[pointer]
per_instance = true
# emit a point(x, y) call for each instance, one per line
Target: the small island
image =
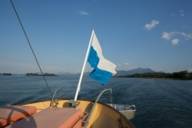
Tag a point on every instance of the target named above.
point(38, 74)
point(181, 75)
point(6, 74)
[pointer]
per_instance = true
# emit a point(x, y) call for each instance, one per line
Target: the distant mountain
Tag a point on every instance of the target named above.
point(135, 71)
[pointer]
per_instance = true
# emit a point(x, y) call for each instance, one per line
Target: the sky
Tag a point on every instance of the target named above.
point(154, 34)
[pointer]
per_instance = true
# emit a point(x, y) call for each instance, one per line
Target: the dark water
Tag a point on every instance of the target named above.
point(160, 103)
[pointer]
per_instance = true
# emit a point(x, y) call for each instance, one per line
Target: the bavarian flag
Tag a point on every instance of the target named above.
point(103, 69)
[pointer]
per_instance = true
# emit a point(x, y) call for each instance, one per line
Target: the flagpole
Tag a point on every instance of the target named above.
point(83, 68)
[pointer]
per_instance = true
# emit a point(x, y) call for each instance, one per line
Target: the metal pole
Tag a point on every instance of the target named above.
point(83, 68)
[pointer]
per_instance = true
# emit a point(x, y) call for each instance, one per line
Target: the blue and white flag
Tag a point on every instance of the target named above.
point(103, 69)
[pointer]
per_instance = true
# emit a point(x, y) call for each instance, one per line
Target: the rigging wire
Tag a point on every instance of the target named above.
point(30, 46)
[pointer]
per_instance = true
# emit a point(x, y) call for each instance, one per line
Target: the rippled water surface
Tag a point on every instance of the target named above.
point(160, 103)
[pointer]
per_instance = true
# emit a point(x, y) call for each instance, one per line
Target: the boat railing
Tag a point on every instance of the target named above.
point(95, 103)
point(54, 102)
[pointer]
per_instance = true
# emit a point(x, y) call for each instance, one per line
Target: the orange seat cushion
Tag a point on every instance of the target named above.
point(79, 124)
point(50, 118)
point(72, 120)
point(3, 122)
point(14, 113)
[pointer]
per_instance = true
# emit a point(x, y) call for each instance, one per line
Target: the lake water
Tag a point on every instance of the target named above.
point(160, 103)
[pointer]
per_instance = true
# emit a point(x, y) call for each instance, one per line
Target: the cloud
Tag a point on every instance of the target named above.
point(151, 25)
point(171, 35)
point(166, 35)
point(185, 35)
point(175, 37)
point(175, 41)
point(83, 13)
